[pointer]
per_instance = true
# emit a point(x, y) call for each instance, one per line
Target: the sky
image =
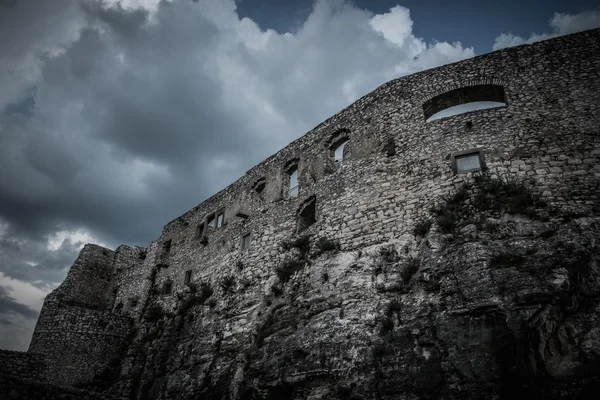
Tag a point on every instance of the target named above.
point(117, 117)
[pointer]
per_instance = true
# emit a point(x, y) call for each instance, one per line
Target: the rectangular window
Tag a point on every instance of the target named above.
point(293, 191)
point(246, 242)
point(468, 161)
point(167, 246)
point(210, 221)
point(188, 277)
point(167, 288)
point(220, 217)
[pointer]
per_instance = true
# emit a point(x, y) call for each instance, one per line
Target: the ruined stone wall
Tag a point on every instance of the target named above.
point(548, 131)
point(88, 280)
point(78, 342)
point(24, 364)
point(130, 284)
point(76, 330)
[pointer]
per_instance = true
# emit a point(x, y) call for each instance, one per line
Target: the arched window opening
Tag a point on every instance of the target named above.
point(308, 215)
point(463, 100)
point(260, 185)
point(293, 181)
point(339, 152)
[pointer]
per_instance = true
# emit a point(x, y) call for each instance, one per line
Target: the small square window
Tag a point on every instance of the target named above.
point(220, 217)
point(167, 288)
point(246, 242)
point(210, 221)
point(188, 277)
point(468, 161)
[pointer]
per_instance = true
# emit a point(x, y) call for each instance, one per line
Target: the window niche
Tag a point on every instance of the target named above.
point(338, 146)
point(292, 185)
point(340, 151)
point(463, 100)
point(307, 215)
point(211, 221)
point(187, 278)
point(246, 241)
point(200, 231)
point(133, 302)
point(220, 219)
point(167, 288)
point(468, 161)
point(259, 186)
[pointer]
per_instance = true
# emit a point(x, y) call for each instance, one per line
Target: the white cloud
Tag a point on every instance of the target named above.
point(76, 238)
point(560, 24)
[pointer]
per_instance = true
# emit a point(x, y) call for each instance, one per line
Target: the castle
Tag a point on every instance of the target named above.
point(364, 177)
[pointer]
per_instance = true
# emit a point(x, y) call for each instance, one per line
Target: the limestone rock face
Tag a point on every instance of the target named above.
point(506, 309)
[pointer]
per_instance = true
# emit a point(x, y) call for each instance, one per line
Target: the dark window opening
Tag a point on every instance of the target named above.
point(188, 277)
point(260, 185)
point(468, 161)
point(246, 241)
point(210, 221)
point(167, 288)
point(200, 230)
point(462, 100)
point(308, 215)
point(167, 246)
point(220, 217)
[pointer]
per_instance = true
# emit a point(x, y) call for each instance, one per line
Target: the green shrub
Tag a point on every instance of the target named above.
point(388, 254)
point(276, 290)
point(324, 245)
point(447, 221)
point(422, 227)
point(301, 243)
point(288, 268)
point(393, 308)
point(154, 313)
point(227, 284)
point(196, 298)
point(411, 266)
point(387, 325)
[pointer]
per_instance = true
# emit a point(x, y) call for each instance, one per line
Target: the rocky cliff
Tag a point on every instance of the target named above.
point(496, 295)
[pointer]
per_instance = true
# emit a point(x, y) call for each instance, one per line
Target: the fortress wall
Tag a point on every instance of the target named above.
point(24, 364)
point(88, 280)
point(74, 331)
point(130, 284)
point(78, 342)
point(548, 132)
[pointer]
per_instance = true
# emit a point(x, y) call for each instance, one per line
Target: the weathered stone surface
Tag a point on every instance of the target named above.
point(497, 298)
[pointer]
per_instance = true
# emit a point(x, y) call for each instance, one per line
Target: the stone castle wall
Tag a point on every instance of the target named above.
point(398, 166)
point(548, 132)
point(76, 330)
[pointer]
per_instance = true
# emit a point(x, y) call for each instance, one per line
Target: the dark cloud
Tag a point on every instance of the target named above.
point(115, 120)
